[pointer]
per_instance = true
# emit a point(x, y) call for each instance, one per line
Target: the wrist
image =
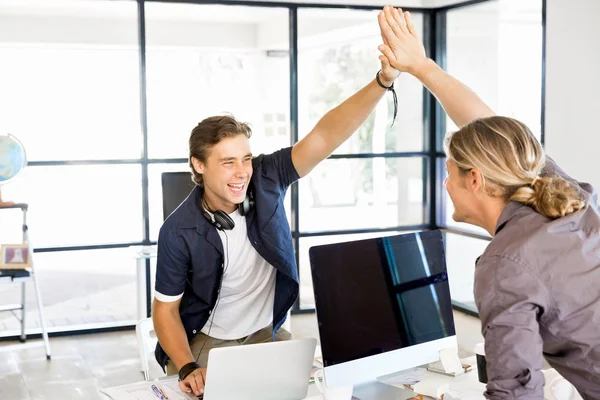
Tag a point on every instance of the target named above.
point(422, 69)
point(383, 80)
point(188, 369)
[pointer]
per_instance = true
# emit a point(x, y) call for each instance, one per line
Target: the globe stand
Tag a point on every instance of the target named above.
point(5, 203)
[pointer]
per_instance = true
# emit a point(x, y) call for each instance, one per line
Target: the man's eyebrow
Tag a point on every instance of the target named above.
point(233, 158)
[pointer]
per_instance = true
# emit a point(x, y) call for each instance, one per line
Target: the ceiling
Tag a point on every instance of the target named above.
point(222, 13)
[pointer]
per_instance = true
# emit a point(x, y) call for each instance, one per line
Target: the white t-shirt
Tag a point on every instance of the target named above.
point(245, 303)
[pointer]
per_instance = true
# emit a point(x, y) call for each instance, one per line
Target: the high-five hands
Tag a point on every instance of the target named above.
point(402, 48)
point(388, 74)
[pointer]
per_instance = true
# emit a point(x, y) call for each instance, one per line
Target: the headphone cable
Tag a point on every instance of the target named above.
point(218, 295)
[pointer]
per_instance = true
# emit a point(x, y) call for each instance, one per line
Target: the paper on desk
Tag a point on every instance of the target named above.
point(143, 390)
point(410, 377)
point(451, 362)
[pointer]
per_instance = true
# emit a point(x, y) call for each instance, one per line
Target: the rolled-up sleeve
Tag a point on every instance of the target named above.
point(510, 300)
point(280, 164)
point(172, 265)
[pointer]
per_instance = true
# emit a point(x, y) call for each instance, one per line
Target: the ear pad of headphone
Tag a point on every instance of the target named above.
point(223, 221)
point(247, 204)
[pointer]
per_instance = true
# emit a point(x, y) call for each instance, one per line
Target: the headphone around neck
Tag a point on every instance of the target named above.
point(220, 219)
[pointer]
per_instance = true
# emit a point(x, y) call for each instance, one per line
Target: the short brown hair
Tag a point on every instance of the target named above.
point(210, 132)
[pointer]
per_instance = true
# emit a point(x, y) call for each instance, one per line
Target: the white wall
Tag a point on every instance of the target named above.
point(573, 87)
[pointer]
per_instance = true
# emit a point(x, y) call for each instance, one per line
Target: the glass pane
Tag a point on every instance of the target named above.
point(155, 195)
point(69, 78)
point(204, 60)
point(338, 56)
point(101, 291)
point(506, 35)
point(81, 204)
point(363, 193)
point(307, 295)
point(461, 253)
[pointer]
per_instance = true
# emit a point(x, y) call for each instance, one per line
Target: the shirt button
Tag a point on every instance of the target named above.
point(194, 331)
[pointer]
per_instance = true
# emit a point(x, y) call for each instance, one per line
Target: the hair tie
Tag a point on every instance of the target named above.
point(534, 181)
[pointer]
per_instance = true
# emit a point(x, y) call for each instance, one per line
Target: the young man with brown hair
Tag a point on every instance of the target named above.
point(226, 270)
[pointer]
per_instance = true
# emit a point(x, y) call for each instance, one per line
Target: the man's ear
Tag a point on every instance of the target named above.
point(474, 180)
point(198, 165)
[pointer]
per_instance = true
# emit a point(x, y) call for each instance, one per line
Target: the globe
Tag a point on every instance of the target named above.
point(12, 159)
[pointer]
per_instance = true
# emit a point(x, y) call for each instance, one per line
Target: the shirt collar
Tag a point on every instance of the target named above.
point(507, 214)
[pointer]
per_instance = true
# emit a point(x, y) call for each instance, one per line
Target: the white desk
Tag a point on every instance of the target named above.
point(369, 391)
point(372, 391)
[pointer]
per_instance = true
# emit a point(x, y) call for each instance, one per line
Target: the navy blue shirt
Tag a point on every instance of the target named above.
point(190, 251)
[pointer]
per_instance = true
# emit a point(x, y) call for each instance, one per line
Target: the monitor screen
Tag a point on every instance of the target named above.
point(176, 186)
point(378, 295)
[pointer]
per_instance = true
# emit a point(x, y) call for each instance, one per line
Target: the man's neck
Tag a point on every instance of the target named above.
point(492, 215)
point(209, 203)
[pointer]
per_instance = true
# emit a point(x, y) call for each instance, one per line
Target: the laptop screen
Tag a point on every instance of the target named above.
point(377, 295)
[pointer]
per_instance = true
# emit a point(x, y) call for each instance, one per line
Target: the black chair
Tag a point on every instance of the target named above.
point(176, 186)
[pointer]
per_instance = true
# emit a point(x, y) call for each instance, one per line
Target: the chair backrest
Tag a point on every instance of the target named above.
point(146, 339)
point(176, 186)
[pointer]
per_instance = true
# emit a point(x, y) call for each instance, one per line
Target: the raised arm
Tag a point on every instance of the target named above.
point(340, 123)
point(405, 52)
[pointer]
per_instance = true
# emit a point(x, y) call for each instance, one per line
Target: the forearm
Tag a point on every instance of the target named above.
point(460, 103)
point(341, 122)
point(335, 127)
point(171, 335)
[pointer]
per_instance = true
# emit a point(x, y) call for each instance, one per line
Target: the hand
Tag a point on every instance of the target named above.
point(402, 46)
point(388, 74)
point(194, 382)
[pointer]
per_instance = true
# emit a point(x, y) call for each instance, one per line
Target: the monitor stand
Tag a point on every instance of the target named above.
point(376, 390)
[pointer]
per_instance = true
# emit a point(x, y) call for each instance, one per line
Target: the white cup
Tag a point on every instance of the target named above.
point(558, 388)
point(336, 393)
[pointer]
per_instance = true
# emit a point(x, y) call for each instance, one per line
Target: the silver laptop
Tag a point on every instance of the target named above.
point(266, 371)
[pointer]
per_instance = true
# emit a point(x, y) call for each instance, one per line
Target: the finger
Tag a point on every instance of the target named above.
point(409, 24)
point(384, 27)
point(387, 52)
point(389, 16)
point(191, 380)
point(398, 16)
point(383, 36)
point(200, 376)
point(184, 386)
point(384, 62)
point(203, 372)
point(199, 383)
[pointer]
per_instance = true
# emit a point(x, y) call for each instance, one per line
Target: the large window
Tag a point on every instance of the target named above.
point(102, 117)
point(70, 92)
point(205, 60)
point(506, 37)
point(356, 190)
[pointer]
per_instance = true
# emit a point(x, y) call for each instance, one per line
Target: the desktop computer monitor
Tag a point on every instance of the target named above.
point(383, 305)
point(176, 186)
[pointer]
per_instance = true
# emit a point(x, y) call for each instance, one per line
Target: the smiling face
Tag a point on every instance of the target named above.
point(226, 173)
